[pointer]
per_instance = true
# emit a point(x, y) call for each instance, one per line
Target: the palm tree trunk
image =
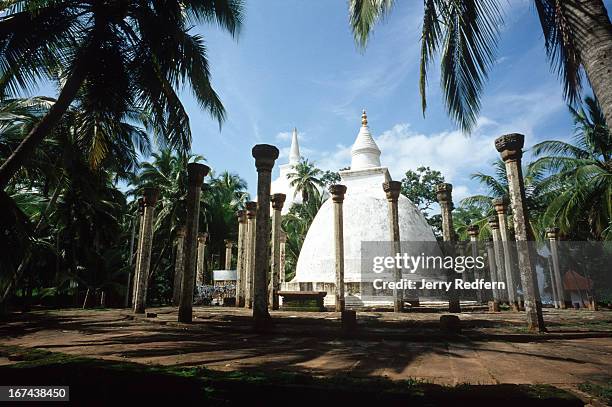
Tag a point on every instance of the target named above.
point(44, 127)
point(593, 35)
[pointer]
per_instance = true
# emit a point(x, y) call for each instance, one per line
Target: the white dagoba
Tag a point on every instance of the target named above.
point(282, 185)
point(365, 220)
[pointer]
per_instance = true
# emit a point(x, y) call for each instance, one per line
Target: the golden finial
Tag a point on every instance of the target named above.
point(364, 118)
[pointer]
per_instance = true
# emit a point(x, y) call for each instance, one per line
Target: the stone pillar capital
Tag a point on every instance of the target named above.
point(202, 237)
point(552, 233)
point(500, 204)
point(510, 146)
point(265, 155)
point(493, 222)
point(473, 230)
point(228, 244)
point(392, 189)
point(444, 193)
point(150, 196)
point(196, 173)
point(489, 242)
point(337, 192)
point(277, 201)
point(251, 209)
point(241, 215)
point(180, 232)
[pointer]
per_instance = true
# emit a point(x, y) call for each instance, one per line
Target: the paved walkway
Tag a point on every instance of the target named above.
point(494, 349)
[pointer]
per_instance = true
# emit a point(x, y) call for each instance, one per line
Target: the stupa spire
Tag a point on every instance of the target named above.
point(294, 154)
point(365, 153)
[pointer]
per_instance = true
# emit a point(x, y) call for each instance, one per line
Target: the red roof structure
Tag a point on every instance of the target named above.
point(573, 281)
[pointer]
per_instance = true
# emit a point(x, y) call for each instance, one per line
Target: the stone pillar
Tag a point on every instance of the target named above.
point(195, 176)
point(493, 271)
point(138, 249)
point(281, 263)
point(392, 189)
point(277, 206)
point(250, 253)
point(241, 215)
point(144, 259)
point(501, 205)
point(337, 192)
point(178, 265)
point(499, 260)
point(553, 235)
point(510, 146)
point(473, 232)
point(202, 239)
point(264, 155)
point(445, 199)
point(228, 254)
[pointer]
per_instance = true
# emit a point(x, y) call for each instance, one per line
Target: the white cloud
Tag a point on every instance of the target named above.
point(283, 136)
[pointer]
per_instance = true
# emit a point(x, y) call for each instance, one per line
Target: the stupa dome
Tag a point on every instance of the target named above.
point(365, 220)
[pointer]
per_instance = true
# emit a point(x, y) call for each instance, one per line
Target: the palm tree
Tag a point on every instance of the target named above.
point(305, 178)
point(538, 195)
point(58, 169)
point(225, 194)
point(167, 171)
point(118, 57)
point(577, 37)
point(581, 174)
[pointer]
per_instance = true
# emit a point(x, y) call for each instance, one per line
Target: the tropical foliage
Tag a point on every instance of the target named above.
point(464, 35)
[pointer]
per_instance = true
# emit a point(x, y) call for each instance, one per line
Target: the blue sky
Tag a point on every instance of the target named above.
point(295, 64)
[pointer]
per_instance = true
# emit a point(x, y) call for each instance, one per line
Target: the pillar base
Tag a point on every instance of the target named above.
point(515, 306)
point(262, 323)
point(454, 306)
point(349, 320)
point(185, 315)
point(493, 306)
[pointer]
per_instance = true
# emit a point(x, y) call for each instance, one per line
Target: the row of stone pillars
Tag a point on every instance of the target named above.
point(190, 247)
point(510, 148)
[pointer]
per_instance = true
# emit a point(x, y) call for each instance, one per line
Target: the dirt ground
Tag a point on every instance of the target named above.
point(493, 348)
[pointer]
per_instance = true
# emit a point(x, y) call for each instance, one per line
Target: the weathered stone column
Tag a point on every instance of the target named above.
point(337, 192)
point(202, 239)
point(501, 205)
point(473, 232)
point(178, 265)
point(195, 176)
point(392, 189)
point(499, 259)
point(264, 155)
point(277, 206)
point(250, 253)
point(228, 254)
point(144, 259)
point(445, 199)
point(553, 236)
point(138, 249)
point(493, 271)
point(282, 258)
point(241, 215)
point(510, 146)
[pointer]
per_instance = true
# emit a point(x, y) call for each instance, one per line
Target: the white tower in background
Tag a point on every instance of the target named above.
point(282, 185)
